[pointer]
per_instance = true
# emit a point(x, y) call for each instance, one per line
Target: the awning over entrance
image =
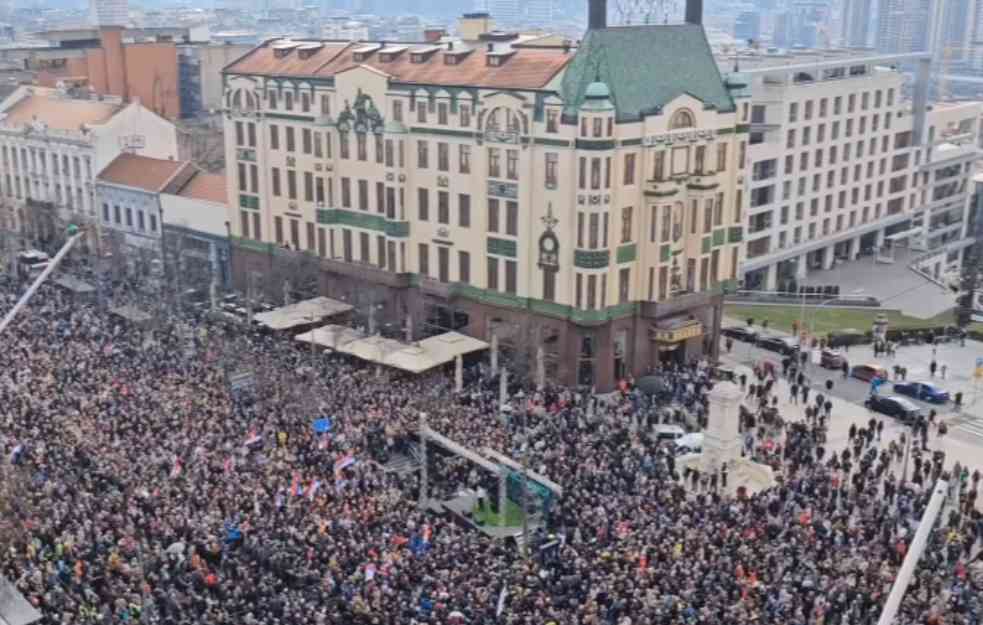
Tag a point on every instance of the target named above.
point(904, 234)
point(306, 312)
point(411, 357)
point(675, 329)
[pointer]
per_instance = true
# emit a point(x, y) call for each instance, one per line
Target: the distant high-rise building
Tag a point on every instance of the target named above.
point(903, 25)
point(109, 12)
point(747, 27)
point(856, 23)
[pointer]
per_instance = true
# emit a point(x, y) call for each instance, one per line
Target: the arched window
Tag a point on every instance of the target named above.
point(502, 119)
point(237, 99)
point(682, 119)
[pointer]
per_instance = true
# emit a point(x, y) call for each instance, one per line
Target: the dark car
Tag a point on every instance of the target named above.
point(922, 390)
point(782, 344)
point(868, 372)
point(831, 359)
point(897, 407)
point(741, 334)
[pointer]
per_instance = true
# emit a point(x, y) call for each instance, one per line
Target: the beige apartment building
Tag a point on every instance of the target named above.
point(582, 203)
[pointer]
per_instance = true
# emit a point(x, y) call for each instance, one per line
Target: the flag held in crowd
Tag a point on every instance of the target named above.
point(322, 426)
point(313, 488)
point(254, 439)
point(343, 463)
point(176, 469)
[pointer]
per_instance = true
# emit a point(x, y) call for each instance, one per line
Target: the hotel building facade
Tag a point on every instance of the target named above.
point(581, 204)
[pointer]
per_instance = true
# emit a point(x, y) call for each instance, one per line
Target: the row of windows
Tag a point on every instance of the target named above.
point(35, 160)
point(821, 106)
point(125, 216)
point(679, 161)
point(804, 135)
point(674, 222)
point(70, 196)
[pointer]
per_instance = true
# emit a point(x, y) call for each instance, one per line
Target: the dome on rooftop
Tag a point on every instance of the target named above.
point(597, 90)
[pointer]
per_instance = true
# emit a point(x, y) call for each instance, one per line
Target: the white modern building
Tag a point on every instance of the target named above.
point(839, 164)
point(53, 144)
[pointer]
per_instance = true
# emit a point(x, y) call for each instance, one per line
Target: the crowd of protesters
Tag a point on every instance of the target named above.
point(158, 495)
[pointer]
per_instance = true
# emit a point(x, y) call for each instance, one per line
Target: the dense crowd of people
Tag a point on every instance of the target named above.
point(155, 494)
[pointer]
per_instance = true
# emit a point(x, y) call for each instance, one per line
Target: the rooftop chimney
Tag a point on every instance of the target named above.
point(597, 14)
point(694, 11)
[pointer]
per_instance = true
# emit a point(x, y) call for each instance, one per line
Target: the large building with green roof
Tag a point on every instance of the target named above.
point(578, 201)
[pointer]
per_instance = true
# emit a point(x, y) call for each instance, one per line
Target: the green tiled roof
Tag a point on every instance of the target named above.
point(645, 67)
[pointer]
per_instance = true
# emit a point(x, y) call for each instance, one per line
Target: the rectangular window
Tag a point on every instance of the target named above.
point(364, 248)
point(591, 292)
point(443, 207)
point(380, 198)
point(443, 156)
point(243, 181)
point(278, 229)
point(240, 134)
point(361, 148)
point(442, 114)
point(291, 140)
point(492, 273)
point(310, 236)
point(421, 113)
point(343, 147)
point(464, 159)
point(422, 156)
point(306, 140)
point(363, 195)
point(464, 267)
point(443, 263)
point(494, 163)
point(511, 274)
point(512, 218)
point(251, 127)
point(626, 216)
point(464, 210)
point(319, 190)
point(275, 181)
point(346, 244)
point(551, 167)
point(493, 210)
point(308, 186)
point(380, 250)
point(424, 253)
point(274, 137)
point(423, 204)
point(594, 231)
point(624, 285)
point(512, 164)
point(257, 233)
point(629, 174)
point(253, 179)
point(397, 110)
point(243, 224)
point(291, 184)
point(346, 193)
point(321, 251)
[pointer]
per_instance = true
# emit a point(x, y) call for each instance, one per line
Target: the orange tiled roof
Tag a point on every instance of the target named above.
point(527, 68)
point(141, 172)
point(209, 187)
point(60, 113)
point(262, 60)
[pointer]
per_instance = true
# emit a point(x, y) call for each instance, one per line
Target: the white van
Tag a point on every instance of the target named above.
point(667, 432)
point(30, 263)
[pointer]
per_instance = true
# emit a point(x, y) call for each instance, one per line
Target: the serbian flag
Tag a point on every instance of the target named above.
point(643, 562)
point(312, 489)
point(296, 489)
point(427, 533)
point(176, 469)
point(343, 463)
point(253, 439)
point(806, 517)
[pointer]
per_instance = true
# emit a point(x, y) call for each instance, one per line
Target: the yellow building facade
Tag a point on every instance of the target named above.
point(581, 203)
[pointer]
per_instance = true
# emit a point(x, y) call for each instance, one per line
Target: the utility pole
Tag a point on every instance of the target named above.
point(521, 396)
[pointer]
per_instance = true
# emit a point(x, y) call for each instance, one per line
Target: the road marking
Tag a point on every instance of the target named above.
point(974, 427)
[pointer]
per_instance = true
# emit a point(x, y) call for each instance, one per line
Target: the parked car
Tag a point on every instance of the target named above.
point(922, 390)
point(740, 333)
point(831, 359)
point(689, 443)
point(868, 372)
point(668, 432)
point(893, 406)
point(784, 345)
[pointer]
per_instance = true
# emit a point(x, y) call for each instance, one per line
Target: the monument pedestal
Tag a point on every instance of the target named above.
point(722, 444)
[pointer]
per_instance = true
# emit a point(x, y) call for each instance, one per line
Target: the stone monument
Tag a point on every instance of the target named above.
point(722, 443)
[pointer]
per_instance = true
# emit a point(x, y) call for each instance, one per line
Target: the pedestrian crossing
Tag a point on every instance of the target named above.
point(973, 426)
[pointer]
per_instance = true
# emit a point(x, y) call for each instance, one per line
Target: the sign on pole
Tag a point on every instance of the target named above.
point(978, 373)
